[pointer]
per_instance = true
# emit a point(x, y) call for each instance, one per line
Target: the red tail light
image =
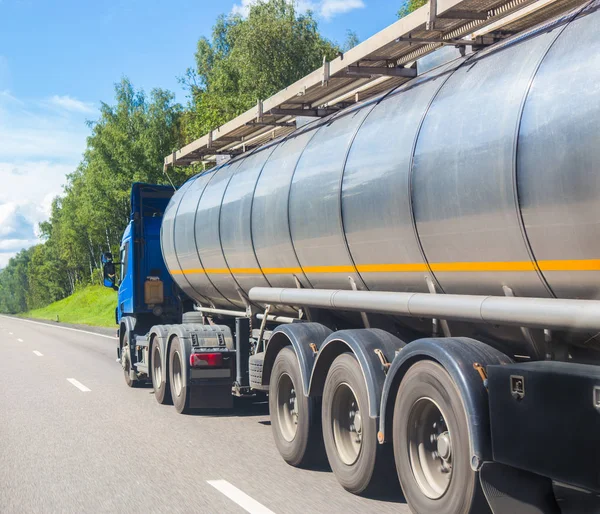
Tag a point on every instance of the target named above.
point(206, 360)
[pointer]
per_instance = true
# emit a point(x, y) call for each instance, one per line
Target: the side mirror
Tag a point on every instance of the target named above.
point(109, 271)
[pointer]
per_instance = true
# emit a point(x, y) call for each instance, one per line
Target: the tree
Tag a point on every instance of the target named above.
point(128, 144)
point(250, 59)
point(14, 283)
point(247, 59)
point(351, 40)
point(409, 6)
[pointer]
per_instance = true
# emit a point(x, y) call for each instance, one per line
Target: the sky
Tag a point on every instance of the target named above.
point(60, 58)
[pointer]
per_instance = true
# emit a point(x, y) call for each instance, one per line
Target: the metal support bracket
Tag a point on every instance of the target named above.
point(246, 301)
point(230, 139)
point(384, 362)
point(306, 309)
point(325, 79)
point(319, 112)
point(464, 15)
point(370, 71)
point(263, 324)
point(441, 322)
point(482, 372)
point(271, 124)
point(478, 42)
point(431, 15)
point(363, 315)
point(538, 352)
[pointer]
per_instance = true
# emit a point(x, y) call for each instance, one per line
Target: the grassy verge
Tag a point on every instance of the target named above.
point(93, 305)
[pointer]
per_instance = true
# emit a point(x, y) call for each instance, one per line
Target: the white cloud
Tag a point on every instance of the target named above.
point(18, 222)
point(243, 7)
point(71, 104)
point(326, 9)
point(329, 8)
point(31, 130)
point(41, 141)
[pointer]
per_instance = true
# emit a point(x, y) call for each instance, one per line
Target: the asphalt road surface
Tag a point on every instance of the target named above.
point(74, 438)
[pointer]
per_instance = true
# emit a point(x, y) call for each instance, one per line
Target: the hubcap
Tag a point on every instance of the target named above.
point(177, 374)
point(156, 368)
point(347, 424)
point(430, 448)
point(287, 407)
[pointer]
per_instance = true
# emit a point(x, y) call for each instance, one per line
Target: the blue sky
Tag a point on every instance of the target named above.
point(60, 58)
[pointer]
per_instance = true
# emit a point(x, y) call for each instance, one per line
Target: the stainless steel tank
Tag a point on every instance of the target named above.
point(480, 175)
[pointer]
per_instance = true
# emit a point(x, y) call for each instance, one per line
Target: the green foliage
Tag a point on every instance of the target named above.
point(246, 59)
point(93, 305)
point(127, 144)
point(13, 283)
point(250, 59)
point(351, 40)
point(409, 6)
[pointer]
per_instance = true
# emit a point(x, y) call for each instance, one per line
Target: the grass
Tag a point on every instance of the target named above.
point(93, 305)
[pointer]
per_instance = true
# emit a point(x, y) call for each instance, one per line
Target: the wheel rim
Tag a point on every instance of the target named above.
point(177, 374)
point(430, 448)
point(156, 368)
point(347, 424)
point(287, 407)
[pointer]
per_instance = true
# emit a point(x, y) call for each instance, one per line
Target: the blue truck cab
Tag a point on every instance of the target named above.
point(147, 295)
point(146, 288)
point(161, 338)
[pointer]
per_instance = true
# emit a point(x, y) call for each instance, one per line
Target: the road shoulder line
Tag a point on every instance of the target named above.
point(58, 326)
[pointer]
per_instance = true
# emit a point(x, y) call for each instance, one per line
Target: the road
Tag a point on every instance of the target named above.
point(75, 438)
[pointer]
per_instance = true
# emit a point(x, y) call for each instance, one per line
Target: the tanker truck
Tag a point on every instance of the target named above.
point(413, 281)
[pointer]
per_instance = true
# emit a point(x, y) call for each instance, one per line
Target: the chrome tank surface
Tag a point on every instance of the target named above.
point(480, 175)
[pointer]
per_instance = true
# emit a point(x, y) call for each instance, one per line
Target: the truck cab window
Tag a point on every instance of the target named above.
point(124, 260)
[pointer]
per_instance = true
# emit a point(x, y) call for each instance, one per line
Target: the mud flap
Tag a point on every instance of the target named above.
point(509, 489)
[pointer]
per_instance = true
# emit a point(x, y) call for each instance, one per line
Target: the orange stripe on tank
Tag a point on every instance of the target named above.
point(439, 267)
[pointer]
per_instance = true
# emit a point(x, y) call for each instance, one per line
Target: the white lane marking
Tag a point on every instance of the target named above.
point(240, 497)
point(20, 340)
point(39, 354)
point(79, 385)
point(10, 333)
point(64, 328)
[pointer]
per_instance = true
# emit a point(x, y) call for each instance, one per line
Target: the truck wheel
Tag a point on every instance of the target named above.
point(431, 443)
point(292, 413)
point(126, 362)
point(350, 435)
point(179, 389)
point(160, 382)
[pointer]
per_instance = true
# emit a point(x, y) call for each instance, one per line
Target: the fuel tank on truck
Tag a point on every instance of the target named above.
point(481, 176)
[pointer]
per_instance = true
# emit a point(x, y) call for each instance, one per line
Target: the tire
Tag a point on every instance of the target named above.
point(126, 362)
point(295, 429)
point(429, 404)
point(179, 389)
point(159, 375)
point(351, 441)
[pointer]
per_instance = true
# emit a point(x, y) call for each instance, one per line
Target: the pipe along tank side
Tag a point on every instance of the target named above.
point(479, 175)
